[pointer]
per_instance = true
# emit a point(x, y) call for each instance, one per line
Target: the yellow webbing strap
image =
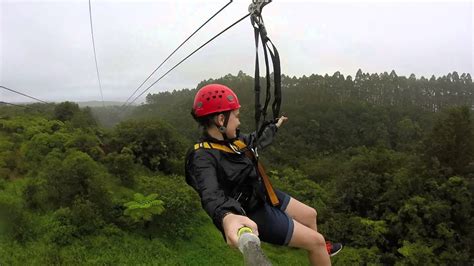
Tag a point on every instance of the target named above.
point(207, 145)
point(240, 144)
point(216, 146)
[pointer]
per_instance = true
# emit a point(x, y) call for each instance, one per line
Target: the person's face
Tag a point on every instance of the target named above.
point(234, 123)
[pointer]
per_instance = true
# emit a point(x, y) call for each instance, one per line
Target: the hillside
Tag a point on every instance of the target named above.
point(387, 162)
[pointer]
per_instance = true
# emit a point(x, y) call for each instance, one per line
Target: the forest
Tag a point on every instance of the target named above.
point(387, 161)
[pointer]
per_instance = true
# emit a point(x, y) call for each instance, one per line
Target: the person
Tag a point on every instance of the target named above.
point(230, 187)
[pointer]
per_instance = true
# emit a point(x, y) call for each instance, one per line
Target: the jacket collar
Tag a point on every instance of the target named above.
point(209, 138)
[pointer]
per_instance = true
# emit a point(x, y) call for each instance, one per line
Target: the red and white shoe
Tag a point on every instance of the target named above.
point(333, 248)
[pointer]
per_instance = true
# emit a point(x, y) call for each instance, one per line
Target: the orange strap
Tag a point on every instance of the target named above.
point(266, 180)
point(261, 170)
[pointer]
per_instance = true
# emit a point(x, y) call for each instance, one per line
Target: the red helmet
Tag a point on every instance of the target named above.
point(214, 98)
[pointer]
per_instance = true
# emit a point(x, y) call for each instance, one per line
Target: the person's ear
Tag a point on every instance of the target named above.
point(221, 119)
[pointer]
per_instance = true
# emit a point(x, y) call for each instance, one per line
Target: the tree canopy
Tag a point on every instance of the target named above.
point(386, 160)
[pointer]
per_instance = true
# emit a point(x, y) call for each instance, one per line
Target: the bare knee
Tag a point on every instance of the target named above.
point(313, 214)
point(310, 217)
point(315, 241)
point(318, 241)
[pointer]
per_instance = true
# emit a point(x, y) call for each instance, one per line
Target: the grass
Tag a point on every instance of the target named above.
point(206, 247)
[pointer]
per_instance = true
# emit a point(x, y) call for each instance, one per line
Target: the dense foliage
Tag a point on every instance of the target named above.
point(387, 161)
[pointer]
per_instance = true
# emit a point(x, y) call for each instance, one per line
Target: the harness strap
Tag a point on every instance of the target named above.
point(258, 106)
point(261, 33)
point(242, 147)
point(266, 180)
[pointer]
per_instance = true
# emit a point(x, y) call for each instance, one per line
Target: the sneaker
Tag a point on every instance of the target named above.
point(333, 248)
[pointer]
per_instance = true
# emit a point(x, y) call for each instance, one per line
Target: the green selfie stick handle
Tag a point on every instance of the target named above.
point(244, 230)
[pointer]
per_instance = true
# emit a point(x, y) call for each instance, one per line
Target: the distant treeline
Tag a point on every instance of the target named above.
point(384, 89)
point(379, 89)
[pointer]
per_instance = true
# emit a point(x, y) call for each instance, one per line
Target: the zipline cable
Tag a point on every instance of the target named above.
point(26, 95)
point(95, 55)
point(175, 52)
point(233, 24)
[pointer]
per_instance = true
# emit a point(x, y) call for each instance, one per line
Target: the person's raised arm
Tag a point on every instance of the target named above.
point(268, 134)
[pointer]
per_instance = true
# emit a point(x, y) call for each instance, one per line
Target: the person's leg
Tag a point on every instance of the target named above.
point(302, 213)
point(277, 227)
point(308, 216)
point(307, 238)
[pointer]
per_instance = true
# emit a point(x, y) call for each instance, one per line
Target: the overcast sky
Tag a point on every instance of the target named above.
point(46, 46)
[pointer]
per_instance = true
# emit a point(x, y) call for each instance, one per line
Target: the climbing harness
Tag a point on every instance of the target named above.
point(239, 147)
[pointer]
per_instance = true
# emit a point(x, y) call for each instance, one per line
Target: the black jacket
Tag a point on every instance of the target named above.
point(227, 182)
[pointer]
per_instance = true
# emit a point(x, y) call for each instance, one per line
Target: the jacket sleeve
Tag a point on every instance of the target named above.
point(265, 139)
point(201, 174)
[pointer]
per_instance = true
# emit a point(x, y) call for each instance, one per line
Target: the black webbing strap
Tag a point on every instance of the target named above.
point(226, 121)
point(261, 33)
point(258, 107)
point(268, 96)
point(277, 80)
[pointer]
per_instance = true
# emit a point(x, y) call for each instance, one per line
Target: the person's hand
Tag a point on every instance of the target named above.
point(281, 120)
point(232, 223)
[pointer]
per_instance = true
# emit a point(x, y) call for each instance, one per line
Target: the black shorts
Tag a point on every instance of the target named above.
point(275, 226)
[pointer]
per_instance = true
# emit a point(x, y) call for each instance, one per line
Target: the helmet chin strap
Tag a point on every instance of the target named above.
point(223, 128)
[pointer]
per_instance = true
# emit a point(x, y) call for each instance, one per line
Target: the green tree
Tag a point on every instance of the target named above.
point(65, 111)
point(142, 208)
point(181, 203)
point(417, 253)
point(122, 166)
point(155, 144)
point(15, 223)
point(69, 177)
point(451, 142)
